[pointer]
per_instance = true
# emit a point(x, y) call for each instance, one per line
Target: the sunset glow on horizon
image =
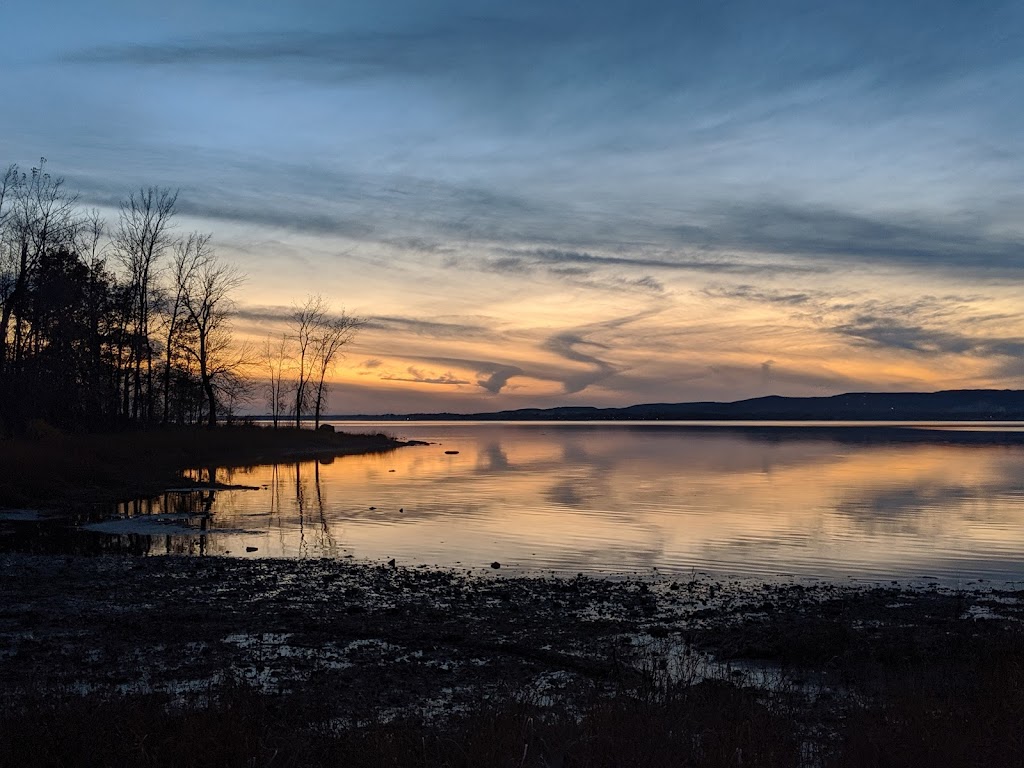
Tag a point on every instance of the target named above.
point(543, 204)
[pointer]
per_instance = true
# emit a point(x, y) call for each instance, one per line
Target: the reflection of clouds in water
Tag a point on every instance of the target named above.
point(494, 458)
point(740, 548)
point(571, 492)
point(920, 504)
point(575, 452)
point(627, 558)
point(609, 498)
point(903, 510)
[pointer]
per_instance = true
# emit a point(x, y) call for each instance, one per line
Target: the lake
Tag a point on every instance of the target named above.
point(837, 502)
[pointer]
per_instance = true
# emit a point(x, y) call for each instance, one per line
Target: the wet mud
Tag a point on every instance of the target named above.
point(375, 641)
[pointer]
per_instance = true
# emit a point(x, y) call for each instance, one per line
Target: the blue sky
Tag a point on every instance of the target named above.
point(542, 203)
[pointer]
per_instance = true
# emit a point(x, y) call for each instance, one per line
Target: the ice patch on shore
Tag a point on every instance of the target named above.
point(161, 525)
point(213, 488)
point(20, 515)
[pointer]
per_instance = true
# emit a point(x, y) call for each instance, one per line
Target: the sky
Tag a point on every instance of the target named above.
point(535, 204)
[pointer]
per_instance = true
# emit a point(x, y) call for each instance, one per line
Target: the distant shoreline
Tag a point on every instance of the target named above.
point(945, 406)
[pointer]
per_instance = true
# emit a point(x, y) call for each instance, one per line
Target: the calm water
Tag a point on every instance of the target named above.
point(834, 502)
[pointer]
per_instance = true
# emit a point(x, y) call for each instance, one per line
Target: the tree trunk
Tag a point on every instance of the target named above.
point(212, 416)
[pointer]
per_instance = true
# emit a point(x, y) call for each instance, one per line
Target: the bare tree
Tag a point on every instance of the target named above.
point(206, 298)
point(9, 262)
point(39, 217)
point(7, 183)
point(190, 254)
point(273, 357)
point(91, 247)
point(142, 237)
point(306, 321)
point(79, 342)
point(89, 238)
point(328, 340)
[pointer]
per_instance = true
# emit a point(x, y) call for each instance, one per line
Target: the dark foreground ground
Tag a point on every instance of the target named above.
point(205, 661)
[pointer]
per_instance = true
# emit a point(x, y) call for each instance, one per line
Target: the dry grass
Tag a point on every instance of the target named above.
point(908, 678)
point(713, 725)
point(963, 708)
point(923, 720)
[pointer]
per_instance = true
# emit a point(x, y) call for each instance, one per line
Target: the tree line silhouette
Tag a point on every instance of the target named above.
point(112, 325)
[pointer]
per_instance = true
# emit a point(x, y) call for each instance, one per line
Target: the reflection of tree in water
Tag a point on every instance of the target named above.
point(55, 537)
point(307, 503)
point(310, 521)
point(197, 507)
point(300, 504)
point(210, 495)
point(325, 530)
point(275, 501)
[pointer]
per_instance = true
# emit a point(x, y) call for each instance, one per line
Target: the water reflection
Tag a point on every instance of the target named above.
point(814, 502)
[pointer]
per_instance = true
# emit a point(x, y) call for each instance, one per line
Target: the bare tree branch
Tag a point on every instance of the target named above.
point(141, 239)
point(206, 297)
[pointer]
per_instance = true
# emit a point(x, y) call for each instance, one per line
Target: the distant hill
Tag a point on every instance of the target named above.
point(949, 405)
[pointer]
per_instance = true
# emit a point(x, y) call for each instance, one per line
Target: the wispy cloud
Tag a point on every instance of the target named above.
point(888, 332)
point(417, 376)
point(493, 229)
point(679, 44)
point(926, 325)
point(570, 345)
point(457, 166)
point(344, 54)
point(758, 295)
point(435, 329)
point(678, 261)
point(818, 233)
point(266, 315)
point(491, 376)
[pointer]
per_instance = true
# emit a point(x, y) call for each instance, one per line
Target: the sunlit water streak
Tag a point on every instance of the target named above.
point(599, 498)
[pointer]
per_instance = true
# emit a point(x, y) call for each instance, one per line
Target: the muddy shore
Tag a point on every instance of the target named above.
point(363, 645)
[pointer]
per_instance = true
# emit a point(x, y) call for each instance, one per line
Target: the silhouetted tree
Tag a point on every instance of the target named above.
point(274, 357)
point(142, 237)
point(189, 255)
point(10, 271)
point(305, 321)
point(102, 293)
point(37, 216)
point(333, 333)
point(206, 297)
point(80, 342)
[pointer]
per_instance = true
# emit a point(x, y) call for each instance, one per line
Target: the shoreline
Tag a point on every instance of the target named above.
point(54, 470)
point(371, 648)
